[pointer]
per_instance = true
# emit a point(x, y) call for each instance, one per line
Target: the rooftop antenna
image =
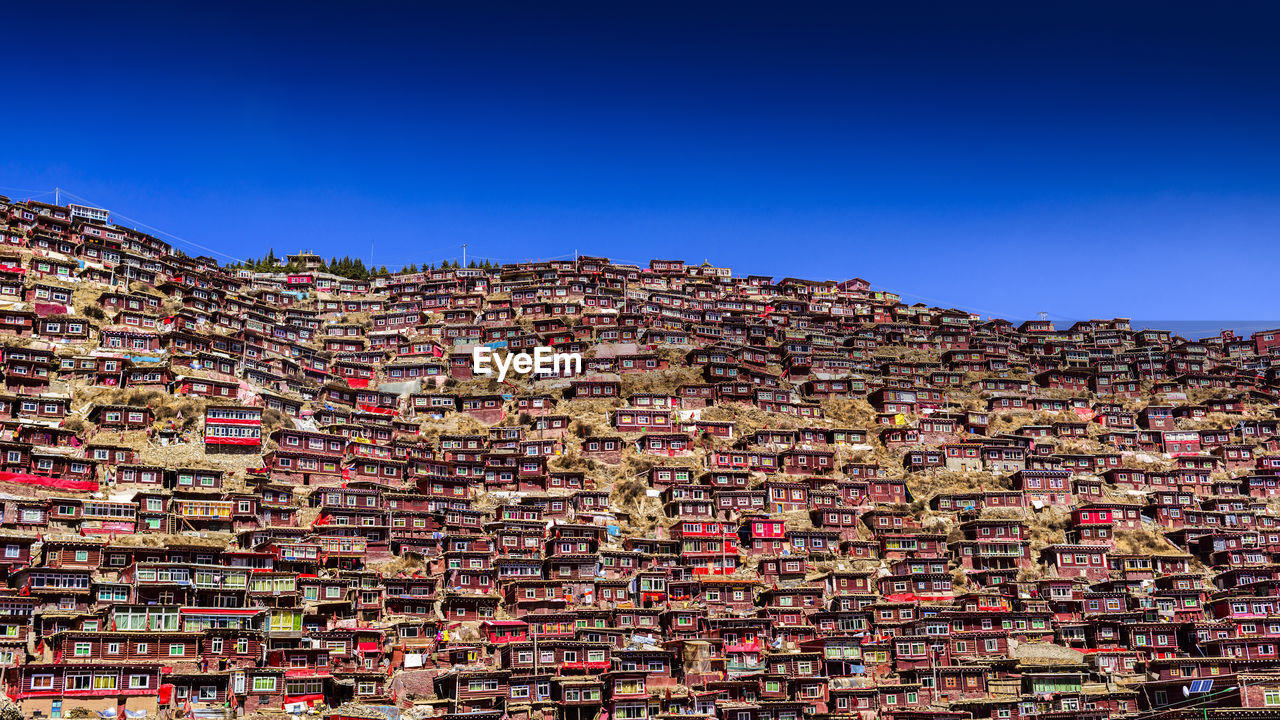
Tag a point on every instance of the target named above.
point(464, 254)
point(1044, 315)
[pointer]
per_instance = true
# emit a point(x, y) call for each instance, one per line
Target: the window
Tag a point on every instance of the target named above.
point(105, 682)
point(264, 683)
point(139, 682)
point(78, 681)
point(177, 649)
point(42, 682)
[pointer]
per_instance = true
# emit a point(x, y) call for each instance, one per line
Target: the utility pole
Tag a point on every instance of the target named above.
point(724, 551)
point(933, 666)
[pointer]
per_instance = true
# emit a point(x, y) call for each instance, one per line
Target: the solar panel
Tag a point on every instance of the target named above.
point(1201, 686)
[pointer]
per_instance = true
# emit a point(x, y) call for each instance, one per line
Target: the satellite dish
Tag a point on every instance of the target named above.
point(1186, 691)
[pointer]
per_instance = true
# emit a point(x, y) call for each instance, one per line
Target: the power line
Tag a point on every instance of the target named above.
point(37, 193)
point(518, 260)
point(898, 291)
point(157, 230)
point(1175, 707)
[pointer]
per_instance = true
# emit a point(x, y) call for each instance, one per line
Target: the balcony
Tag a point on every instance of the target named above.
point(734, 667)
point(754, 645)
point(995, 550)
point(204, 509)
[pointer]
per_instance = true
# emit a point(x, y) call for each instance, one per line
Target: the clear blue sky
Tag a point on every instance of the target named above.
point(1082, 159)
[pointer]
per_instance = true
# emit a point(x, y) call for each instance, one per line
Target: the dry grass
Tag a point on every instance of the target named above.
point(206, 539)
point(943, 482)
point(1143, 542)
point(849, 411)
point(453, 423)
point(660, 381)
point(749, 418)
point(1047, 527)
point(409, 562)
point(273, 420)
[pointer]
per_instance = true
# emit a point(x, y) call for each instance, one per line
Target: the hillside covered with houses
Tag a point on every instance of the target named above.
point(281, 488)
